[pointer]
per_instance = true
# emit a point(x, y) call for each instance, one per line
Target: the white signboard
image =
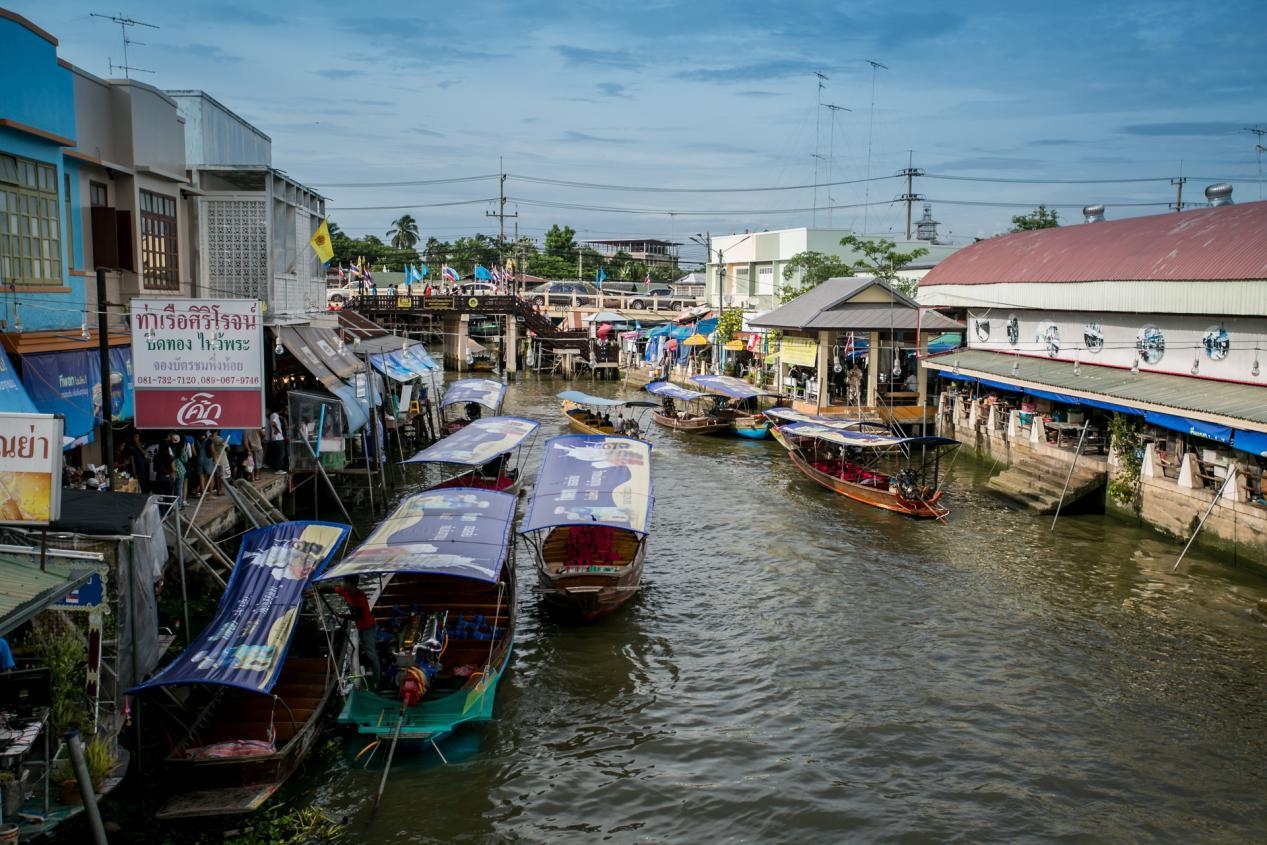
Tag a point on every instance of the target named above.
point(198, 363)
point(30, 468)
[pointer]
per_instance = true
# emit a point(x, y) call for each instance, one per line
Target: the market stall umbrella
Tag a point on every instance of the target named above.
point(735, 346)
point(696, 340)
point(605, 317)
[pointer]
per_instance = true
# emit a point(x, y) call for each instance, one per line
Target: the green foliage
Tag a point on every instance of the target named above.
point(62, 647)
point(1040, 218)
point(729, 322)
point(815, 268)
point(882, 260)
point(276, 826)
point(100, 758)
point(1124, 433)
point(404, 232)
point(348, 251)
point(561, 241)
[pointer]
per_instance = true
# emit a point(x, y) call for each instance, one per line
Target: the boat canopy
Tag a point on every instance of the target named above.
point(585, 399)
point(405, 364)
point(246, 643)
point(459, 531)
point(735, 388)
point(485, 391)
point(786, 416)
point(863, 439)
point(671, 390)
point(478, 442)
point(592, 479)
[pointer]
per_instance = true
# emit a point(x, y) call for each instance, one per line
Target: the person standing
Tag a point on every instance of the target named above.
point(165, 466)
point(253, 439)
point(277, 441)
point(366, 627)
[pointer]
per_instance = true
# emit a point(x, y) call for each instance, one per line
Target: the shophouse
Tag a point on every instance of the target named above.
point(1159, 323)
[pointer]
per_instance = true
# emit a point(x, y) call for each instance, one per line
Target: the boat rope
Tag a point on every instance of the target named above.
point(492, 639)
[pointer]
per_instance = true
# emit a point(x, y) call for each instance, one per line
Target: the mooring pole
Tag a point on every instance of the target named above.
point(1082, 439)
point(1231, 474)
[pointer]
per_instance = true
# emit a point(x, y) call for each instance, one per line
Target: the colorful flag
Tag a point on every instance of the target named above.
point(449, 274)
point(422, 272)
point(600, 276)
point(647, 279)
point(342, 275)
point(482, 274)
point(321, 245)
point(849, 346)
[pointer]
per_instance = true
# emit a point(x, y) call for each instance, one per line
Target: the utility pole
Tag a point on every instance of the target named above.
point(125, 22)
point(501, 214)
point(1259, 149)
point(818, 139)
point(866, 201)
point(1178, 183)
point(909, 198)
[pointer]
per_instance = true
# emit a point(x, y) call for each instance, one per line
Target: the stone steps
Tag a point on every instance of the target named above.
point(1038, 485)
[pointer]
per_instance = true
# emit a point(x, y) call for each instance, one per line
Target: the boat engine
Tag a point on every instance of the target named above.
point(419, 663)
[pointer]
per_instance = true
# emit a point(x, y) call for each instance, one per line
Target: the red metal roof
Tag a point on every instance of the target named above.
point(1227, 242)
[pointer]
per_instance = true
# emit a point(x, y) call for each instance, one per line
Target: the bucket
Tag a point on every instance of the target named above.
point(1026, 418)
point(8, 833)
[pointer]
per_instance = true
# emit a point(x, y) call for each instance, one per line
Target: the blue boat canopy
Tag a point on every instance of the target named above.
point(404, 364)
point(484, 391)
point(735, 388)
point(671, 390)
point(786, 416)
point(246, 643)
point(478, 442)
point(580, 398)
point(863, 439)
point(592, 479)
point(459, 531)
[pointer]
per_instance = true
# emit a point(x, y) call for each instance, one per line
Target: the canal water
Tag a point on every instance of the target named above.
point(803, 669)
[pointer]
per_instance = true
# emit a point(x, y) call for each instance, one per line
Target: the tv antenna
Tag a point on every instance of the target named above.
point(818, 139)
point(124, 22)
point(866, 201)
point(831, 156)
point(1259, 132)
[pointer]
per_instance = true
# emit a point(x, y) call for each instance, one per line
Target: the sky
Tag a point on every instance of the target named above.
point(675, 119)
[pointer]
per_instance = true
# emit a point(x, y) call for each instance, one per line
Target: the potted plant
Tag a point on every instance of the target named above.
point(100, 758)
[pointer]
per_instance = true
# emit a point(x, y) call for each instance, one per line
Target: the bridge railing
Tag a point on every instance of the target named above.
point(505, 303)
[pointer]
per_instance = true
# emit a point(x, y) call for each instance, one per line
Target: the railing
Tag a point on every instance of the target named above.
point(505, 303)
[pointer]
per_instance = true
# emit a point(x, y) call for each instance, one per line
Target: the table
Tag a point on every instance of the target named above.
point(18, 736)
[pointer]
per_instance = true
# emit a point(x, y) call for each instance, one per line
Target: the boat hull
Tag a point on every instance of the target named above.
point(754, 428)
point(876, 497)
point(579, 420)
point(586, 587)
point(693, 425)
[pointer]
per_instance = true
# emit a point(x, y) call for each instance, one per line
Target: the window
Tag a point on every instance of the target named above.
point(97, 196)
point(70, 228)
point(30, 223)
point(158, 241)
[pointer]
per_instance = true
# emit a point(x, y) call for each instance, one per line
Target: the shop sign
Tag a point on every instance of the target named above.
point(30, 469)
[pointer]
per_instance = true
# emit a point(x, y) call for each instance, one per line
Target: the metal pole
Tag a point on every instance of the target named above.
point(322, 472)
point(1082, 439)
point(1231, 474)
point(107, 398)
point(180, 560)
point(86, 792)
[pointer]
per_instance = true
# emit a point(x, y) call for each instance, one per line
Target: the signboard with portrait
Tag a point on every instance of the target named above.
point(30, 469)
point(198, 363)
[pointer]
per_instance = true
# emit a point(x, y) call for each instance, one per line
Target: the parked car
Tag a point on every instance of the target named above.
point(477, 289)
point(637, 295)
point(561, 293)
point(340, 295)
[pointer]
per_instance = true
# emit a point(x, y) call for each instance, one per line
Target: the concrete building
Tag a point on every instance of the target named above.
point(652, 252)
point(1159, 322)
point(253, 222)
point(746, 270)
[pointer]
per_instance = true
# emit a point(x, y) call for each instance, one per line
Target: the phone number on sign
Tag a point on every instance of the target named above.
point(200, 381)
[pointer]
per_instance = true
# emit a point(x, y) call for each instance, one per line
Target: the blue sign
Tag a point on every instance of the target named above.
point(13, 396)
point(66, 383)
point(87, 596)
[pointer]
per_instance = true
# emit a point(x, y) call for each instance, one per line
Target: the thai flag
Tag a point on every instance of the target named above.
point(342, 276)
point(449, 274)
point(497, 276)
point(647, 279)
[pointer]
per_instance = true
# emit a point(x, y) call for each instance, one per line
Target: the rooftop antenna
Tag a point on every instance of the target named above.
point(1259, 149)
point(818, 139)
point(866, 201)
point(124, 22)
point(831, 156)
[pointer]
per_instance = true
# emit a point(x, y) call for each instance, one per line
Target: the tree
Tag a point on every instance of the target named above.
point(404, 232)
point(561, 241)
point(882, 260)
point(815, 268)
point(1040, 218)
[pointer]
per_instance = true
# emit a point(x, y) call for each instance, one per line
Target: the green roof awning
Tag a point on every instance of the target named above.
point(25, 590)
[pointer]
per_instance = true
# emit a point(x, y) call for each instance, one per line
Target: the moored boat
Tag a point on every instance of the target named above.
point(742, 407)
point(592, 414)
point(884, 470)
point(444, 560)
point(465, 400)
point(691, 418)
point(483, 453)
point(247, 697)
point(784, 416)
point(588, 519)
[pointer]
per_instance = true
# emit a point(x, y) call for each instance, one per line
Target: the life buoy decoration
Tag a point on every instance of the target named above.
point(473, 302)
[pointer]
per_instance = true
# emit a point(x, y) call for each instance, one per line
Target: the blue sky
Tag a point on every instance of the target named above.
point(682, 97)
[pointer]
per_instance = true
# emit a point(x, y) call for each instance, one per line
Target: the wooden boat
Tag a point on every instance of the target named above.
point(587, 521)
point(592, 414)
point(445, 563)
point(692, 418)
point(781, 416)
point(465, 400)
point(484, 454)
point(248, 695)
point(741, 406)
point(885, 471)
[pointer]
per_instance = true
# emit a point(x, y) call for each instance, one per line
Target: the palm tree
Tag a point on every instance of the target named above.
point(404, 232)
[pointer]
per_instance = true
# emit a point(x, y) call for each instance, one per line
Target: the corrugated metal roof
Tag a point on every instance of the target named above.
point(1228, 242)
point(880, 316)
point(25, 590)
point(1239, 405)
point(827, 306)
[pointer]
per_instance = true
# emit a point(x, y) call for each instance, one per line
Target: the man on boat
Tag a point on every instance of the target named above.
point(366, 627)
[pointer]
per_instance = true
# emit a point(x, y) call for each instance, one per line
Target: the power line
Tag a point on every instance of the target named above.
point(410, 184)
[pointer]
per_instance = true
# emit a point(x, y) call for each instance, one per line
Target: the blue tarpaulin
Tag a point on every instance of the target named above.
point(64, 383)
point(246, 643)
point(1213, 431)
point(1254, 442)
point(13, 396)
point(659, 331)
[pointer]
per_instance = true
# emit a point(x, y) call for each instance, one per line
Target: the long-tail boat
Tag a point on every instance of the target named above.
point(592, 414)
point(465, 400)
point(783, 416)
point(587, 521)
point(484, 453)
point(742, 409)
point(887, 471)
point(446, 606)
point(246, 699)
point(692, 417)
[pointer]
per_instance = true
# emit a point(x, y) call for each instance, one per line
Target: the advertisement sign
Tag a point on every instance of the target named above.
point(88, 596)
point(30, 469)
point(198, 363)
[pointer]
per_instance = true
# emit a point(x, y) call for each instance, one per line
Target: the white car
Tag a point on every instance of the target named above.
point(340, 295)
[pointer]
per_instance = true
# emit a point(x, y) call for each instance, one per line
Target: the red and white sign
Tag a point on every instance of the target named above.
point(198, 363)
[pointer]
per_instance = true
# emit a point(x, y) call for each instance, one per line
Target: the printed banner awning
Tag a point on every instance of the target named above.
point(13, 396)
point(317, 362)
point(405, 364)
point(246, 643)
point(592, 479)
point(478, 442)
point(735, 388)
point(798, 351)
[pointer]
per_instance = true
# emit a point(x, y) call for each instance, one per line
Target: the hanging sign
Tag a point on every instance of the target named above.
point(198, 363)
point(30, 469)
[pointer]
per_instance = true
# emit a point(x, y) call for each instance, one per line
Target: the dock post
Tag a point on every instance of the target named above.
point(86, 792)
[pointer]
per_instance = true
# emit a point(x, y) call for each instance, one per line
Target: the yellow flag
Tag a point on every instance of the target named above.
point(321, 245)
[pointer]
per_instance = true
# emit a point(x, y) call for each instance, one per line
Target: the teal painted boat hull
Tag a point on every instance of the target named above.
point(753, 431)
